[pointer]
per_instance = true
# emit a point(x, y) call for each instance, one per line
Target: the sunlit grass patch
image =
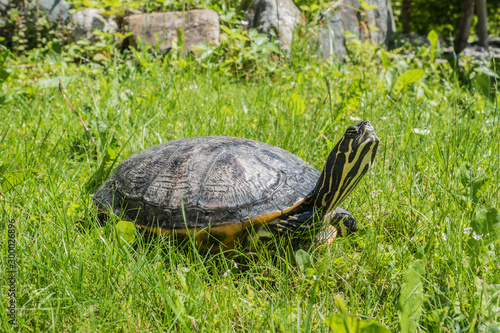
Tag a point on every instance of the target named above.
point(429, 200)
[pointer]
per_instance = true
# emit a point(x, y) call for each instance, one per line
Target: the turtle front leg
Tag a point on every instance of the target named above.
point(342, 220)
point(297, 228)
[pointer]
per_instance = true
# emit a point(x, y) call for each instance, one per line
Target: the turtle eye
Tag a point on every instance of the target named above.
point(351, 131)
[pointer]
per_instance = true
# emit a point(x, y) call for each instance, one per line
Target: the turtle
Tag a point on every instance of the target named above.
point(229, 192)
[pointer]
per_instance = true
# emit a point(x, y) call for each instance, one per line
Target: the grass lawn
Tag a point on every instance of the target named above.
point(426, 255)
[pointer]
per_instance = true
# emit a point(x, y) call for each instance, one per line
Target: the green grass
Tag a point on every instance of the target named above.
point(74, 276)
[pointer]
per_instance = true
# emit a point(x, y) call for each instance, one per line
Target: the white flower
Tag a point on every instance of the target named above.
point(354, 118)
point(243, 22)
point(374, 193)
point(420, 131)
point(444, 236)
point(467, 230)
point(383, 118)
point(476, 236)
point(193, 86)
point(244, 108)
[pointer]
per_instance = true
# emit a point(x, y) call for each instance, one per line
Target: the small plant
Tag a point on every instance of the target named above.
point(26, 27)
point(4, 54)
point(241, 53)
point(61, 90)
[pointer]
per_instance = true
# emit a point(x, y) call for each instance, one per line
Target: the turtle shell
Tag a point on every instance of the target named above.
point(206, 182)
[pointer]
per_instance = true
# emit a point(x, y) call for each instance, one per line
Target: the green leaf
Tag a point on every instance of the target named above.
point(345, 323)
point(385, 59)
point(4, 53)
point(297, 103)
point(260, 40)
point(492, 328)
point(411, 297)
point(111, 153)
point(4, 166)
point(486, 71)
point(233, 34)
point(433, 39)
point(205, 47)
point(408, 78)
point(485, 230)
point(482, 83)
point(54, 82)
point(366, 6)
point(11, 179)
point(303, 260)
point(273, 47)
point(313, 7)
point(352, 324)
point(489, 296)
point(190, 282)
point(474, 180)
point(125, 231)
point(182, 272)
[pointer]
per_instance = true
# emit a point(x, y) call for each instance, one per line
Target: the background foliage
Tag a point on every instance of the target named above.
point(26, 28)
point(444, 16)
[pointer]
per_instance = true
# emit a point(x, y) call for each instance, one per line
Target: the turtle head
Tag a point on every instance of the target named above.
point(348, 162)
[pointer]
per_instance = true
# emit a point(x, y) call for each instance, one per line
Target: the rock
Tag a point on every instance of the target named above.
point(4, 4)
point(279, 16)
point(55, 9)
point(375, 24)
point(473, 51)
point(84, 22)
point(382, 19)
point(494, 42)
point(198, 26)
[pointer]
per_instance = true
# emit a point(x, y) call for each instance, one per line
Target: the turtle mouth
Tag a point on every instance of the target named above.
point(362, 133)
point(363, 147)
point(359, 136)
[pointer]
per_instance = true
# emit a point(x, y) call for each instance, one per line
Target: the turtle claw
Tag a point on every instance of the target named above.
point(288, 226)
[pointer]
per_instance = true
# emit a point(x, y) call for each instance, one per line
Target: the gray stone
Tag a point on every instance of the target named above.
point(382, 19)
point(376, 25)
point(84, 22)
point(279, 16)
point(198, 26)
point(4, 4)
point(55, 9)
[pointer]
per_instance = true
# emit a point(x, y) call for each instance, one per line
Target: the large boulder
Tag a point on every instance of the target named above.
point(198, 26)
point(279, 16)
point(84, 22)
point(375, 24)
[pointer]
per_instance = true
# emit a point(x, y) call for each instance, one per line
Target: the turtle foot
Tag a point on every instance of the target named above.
point(326, 236)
